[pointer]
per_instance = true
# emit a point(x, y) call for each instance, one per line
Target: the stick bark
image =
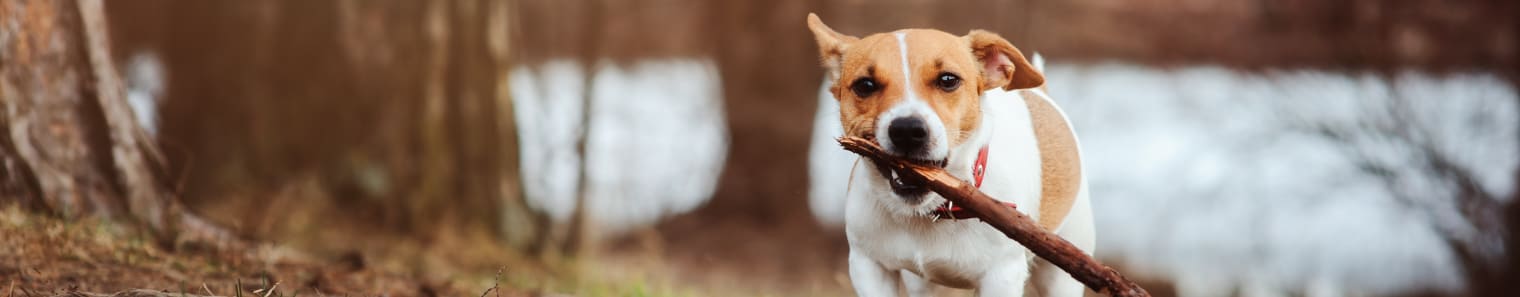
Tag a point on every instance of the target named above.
point(1011, 222)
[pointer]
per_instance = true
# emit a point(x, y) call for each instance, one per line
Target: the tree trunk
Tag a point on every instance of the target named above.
point(582, 230)
point(71, 145)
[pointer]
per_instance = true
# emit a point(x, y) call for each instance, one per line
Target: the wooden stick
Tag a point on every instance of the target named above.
point(1012, 223)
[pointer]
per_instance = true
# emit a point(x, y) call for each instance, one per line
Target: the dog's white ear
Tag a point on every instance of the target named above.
point(1003, 66)
point(831, 45)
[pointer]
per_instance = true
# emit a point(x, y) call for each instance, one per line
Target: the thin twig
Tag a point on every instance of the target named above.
point(496, 285)
point(271, 289)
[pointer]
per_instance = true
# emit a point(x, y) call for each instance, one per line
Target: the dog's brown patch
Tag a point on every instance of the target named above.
point(1060, 162)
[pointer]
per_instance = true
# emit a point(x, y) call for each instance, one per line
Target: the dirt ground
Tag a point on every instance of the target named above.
point(43, 256)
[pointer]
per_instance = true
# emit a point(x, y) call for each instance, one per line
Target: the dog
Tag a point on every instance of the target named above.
point(977, 107)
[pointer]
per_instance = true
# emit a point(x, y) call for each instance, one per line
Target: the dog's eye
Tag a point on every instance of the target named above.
point(948, 82)
point(864, 87)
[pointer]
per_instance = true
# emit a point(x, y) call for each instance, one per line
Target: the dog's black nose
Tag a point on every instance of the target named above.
point(909, 134)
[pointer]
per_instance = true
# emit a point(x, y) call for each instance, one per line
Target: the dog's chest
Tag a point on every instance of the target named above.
point(951, 253)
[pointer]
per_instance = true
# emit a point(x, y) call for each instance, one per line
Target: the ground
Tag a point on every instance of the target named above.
point(44, 256)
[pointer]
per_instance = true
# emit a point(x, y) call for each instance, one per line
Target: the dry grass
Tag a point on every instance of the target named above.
point(44, 256)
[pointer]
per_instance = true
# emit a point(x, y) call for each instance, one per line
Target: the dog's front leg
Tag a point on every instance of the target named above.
point(917, 286)
point(1006, 279)
point(870, 278)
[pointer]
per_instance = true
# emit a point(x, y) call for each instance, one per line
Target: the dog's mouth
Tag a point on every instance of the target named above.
point(908, 188)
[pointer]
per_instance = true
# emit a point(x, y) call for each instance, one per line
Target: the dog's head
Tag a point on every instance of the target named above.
point(917, 92)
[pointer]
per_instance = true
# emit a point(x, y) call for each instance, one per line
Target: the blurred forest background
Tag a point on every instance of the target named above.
point(626, 147)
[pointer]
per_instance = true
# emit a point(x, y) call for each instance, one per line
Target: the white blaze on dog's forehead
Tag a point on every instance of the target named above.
point(911, 106)
point(902, 49)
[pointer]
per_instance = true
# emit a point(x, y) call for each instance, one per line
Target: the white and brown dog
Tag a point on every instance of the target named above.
point(976, 106)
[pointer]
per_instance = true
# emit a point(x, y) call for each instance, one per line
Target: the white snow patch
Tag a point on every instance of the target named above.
point(657, 144)
point(145, 83)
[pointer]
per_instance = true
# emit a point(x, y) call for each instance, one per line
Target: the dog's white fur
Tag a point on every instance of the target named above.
point(892, 242)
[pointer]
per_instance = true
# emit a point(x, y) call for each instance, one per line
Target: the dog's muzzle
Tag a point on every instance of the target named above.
point(909, 135)
point(910, 139)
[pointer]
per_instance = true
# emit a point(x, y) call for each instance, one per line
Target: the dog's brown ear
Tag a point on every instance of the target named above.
point(1003, 66)
point(831, 45)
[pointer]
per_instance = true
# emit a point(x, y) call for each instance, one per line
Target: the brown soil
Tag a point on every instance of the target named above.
point(43, 256)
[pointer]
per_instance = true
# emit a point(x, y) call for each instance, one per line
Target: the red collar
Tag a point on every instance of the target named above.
point(978, 170)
